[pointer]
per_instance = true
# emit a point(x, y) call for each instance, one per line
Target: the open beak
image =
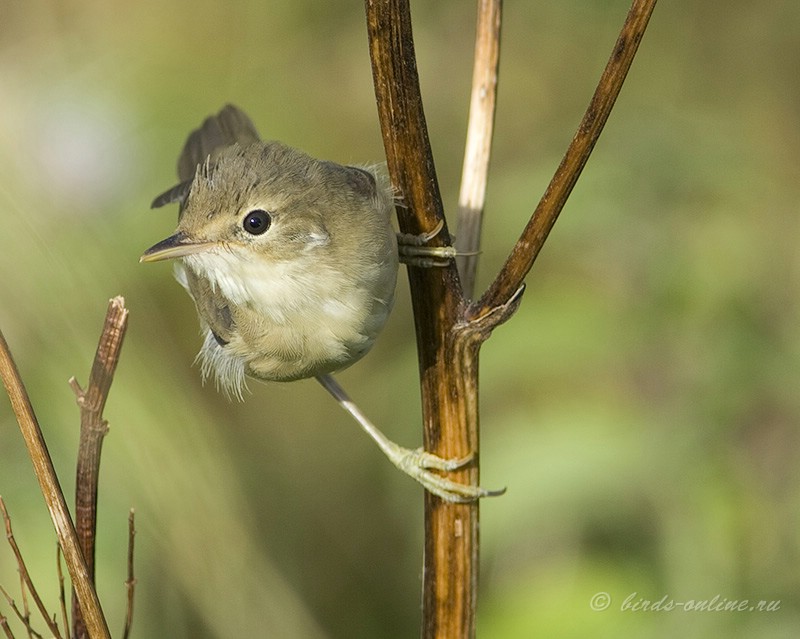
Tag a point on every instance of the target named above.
point(177, 245)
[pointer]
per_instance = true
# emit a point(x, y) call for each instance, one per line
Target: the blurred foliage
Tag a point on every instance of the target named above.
point(642, 406)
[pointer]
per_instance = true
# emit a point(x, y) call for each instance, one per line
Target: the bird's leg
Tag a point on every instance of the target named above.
point(415, 463)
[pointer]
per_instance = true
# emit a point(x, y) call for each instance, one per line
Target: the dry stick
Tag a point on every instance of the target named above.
point(527, 248)
point(402, 118)
point(25, 578)
point(92, 401)
point(54, 497)
point(130, 583)
point(475, 171)
point(26, 611)
point(6, 629)
point(26, 622)
point(448, 370)
point(25, 615)
point(62, 600)
point(447, 346)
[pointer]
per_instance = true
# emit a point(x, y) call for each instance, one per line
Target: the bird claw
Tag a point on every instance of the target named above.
point(429, 461)
point(412, 249)
point(418, 464)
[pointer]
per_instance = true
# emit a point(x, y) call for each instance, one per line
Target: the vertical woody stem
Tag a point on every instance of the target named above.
point(92, 401)
point(448, 370)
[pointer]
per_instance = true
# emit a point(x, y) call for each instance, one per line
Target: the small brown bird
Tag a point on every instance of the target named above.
point(292, 264)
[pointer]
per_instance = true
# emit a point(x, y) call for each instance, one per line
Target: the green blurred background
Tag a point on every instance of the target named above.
point(642, 406)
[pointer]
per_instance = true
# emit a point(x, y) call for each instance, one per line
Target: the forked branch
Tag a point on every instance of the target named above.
point(449, 332)
point(26, 583)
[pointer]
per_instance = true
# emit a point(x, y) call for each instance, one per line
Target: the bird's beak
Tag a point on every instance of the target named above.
point(178, 245)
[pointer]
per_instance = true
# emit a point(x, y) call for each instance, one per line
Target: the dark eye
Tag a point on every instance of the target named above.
point(257, 222)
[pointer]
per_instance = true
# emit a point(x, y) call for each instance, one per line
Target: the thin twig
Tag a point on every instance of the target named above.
point(51, 490)
point(4, 625)
point(475, 171)
point(544, 217)
point(62, 600)
point(26, 583)
point(24, 619)
point(130, 583)
point(92, 401)
point(26, 610)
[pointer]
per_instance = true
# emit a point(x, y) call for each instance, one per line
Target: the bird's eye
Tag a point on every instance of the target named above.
point(257, 222)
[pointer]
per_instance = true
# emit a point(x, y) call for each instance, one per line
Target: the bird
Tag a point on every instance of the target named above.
point(292, 264)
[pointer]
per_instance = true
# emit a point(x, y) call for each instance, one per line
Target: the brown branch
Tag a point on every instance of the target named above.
point(475, 171)
point(435, 292)
point(544, 217)
point(402, 118)
point(23, 617)
point(51, 490)
point(92, 401)
point(25, 578)
point(26, 611)
point(5, 627)
point(448, 379)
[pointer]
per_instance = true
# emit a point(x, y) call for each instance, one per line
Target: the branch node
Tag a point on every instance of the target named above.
point(489, 319)
point(80, 394)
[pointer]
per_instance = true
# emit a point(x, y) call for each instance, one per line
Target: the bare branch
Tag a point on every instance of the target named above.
point(92, 401)
point(405, 133)
point(23, 617)
point(130, 583)
point(475, 171)
point(54, 497)
point(533, 237)
point(450, 427)
point(25, 578)
point(6, 629)
point(62, 600)
point(26, 611)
